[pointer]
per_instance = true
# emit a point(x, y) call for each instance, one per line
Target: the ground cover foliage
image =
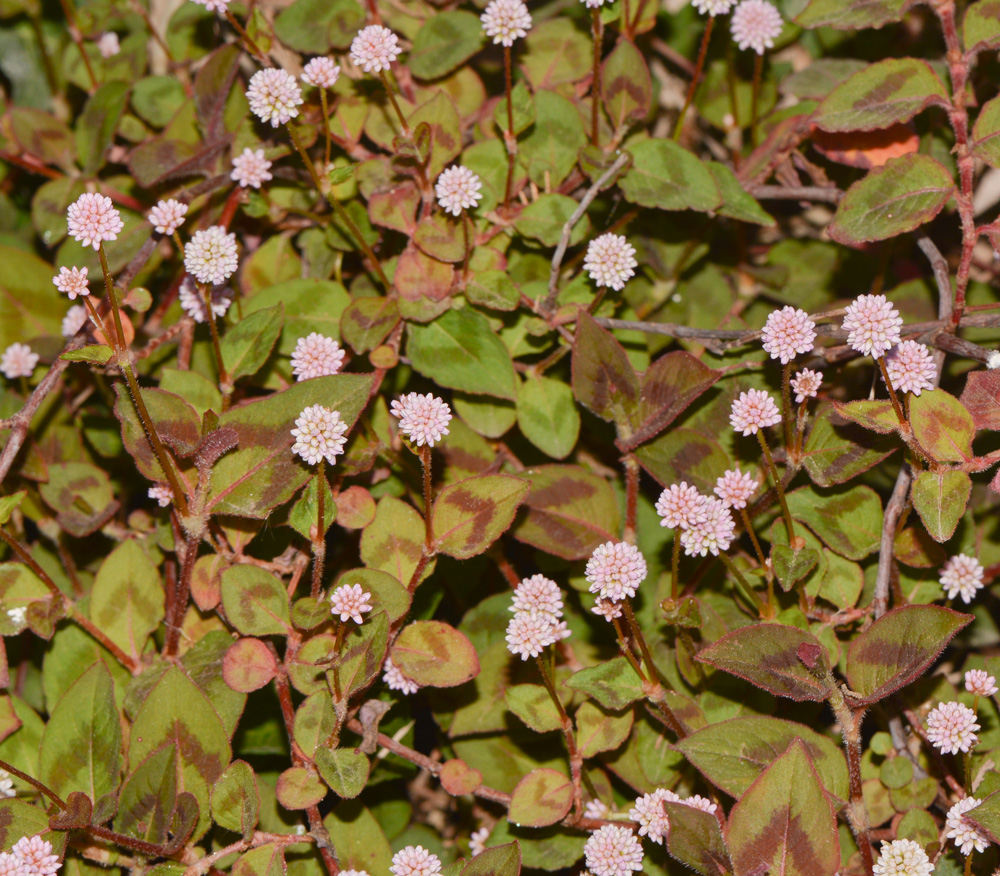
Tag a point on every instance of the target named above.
point(440, 438)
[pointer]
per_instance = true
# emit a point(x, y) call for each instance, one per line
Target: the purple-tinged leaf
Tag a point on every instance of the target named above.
point(835, 451)
point(940, 498)
point(434, 654)
point(981, 398)
point(541, 798)
point(695, 839)
point(469, 516)
point(852, 14)
point(604, 381)
point(942, 426)
point(986, 816)
point(458, 778)
point(504, 860)
point(824, 512)
point(876, 415)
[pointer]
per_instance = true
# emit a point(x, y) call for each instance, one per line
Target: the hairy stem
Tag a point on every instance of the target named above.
point(225, 385)
point(319, 541)
point(695, 77)
point(597, 28)
point(509, 137)
point(425, 465)
point(777, 486)
point(857, 812)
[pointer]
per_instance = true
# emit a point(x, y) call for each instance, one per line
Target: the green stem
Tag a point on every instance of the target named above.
point(247, 41)
point(647, 658)
point(326, 125)
point(626, 650)
point(319, 542)
point(777, 485)
point(510, 138)
point(748, 592)
point(112, 298)
point(224, 383)
point(786, 402)
point(675, 566)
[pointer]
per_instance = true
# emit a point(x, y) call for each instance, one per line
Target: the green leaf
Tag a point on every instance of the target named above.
point(613, 683)
point(345, 770)
point(626, 85)
point(877, 415)
point(533, 705)
point(469, 516)
point(309, 305)
point(20, 819)
point(940, 498)
point(668, 177)
point(550, 148)
point(458, 778)
point(8, 504)
point(541, 798)
point(684, 455)
point(81, 495)
point(986, 816)
point(98, 354)
point(28, 307)
point(304, 515)
point(446, 41)
point(786, 661)
point(247, 346)
point(981, 26)
point(523, 109)
point(503, 860)
point(695, 839)
point(236, 800)
point(547, 415)
point(385, 591)
point(603, 378)
point(363, 654)
point(544, 218)
point(852, 14)
point(96, 126)
point(986, 135)
point(81, 747)
point(784, 823)
point(177, 424)
point(316, 26)
point(981, 398)
point(265, 860)
point(599, 730)
point(942, 426)
point(899, 647)
point(367, 321)
point(459, 350)
point(824, 512)
point(255, 601)
point(493, 289)
point(127, 600)
point(394, 541)
point(358, 838)
point(881, 95)
point(836, 452)
point(434, 654)
point(737, 202)
point(900, 196)
point(570, 511)
point(148, 797)
point(790, 565)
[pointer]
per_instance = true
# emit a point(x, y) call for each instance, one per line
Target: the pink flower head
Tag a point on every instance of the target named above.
point(753, 410)
point(108, 45)
point(316, 356)
point(679, 506)
point(735, 488)
point(962, 576)
point(528, 632)
point(218, 6)
point(274, 96)
point(505, 21)
point(93, 218)
point(36, 854)
point(980, 683)
point(72, 281)
point(477, 841)
point(395, 680)
point(787, 333)
point(319, 434)
point(321, 73)
point(539, 594)
point(952, 727)
point(167, 216)
point(353, 873)
point(702, 803)
point(415, 861)
point(806, 384)
point(613, 851)
point(350, 602)
point(712, 533)
point(902, 857)
point(250, 168)
point(713, 7)
point(911, 368)
point(596, 809)
point(872, 324)
point(648, 812)
point(422, 418)
point(965, 834)
point(192, 300)
point(593, 4)
point(610, 261)
point(457, 189)
point(74, 320)
point(755, 25)
point(607, 608)
point(18, 360)
point(12, 865)
point(210, 256)
point(375, 48)
point(615, 569)
point(162, 494)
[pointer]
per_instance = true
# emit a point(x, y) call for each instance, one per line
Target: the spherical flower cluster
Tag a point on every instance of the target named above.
point(902, 857)
point(210, 256)
point(753, 410)
point(319, 434)
point(395, 680)
point(274, 96)
point(35, 854)
point(951, 727)
point(539, 594)
point(980, 683)
point(167, 216)
point(713, 7)
point(593, 4)
point(316, 356)
point(350, 602)
point(74, 320)
point(962, 576)
point(755, 25)
point(615, 569)
point(108, 45)
point(11, 865)
point(375, 48)
point(787, 333)
point(422, 418)
point(613, 851)
point(702, 803)
point(872, 324)
point(72, 281)
point(321, 72)
point(192, 300)
point(649, 814)
point(713, 532)
point(162, 494)
point(911, 368)
point(528, 632)
point(18, 360)
point(610, 261)
point(6, 785)
point(506, 21)
point(250, 168)
point(679, 506)
point(965, 834)
point(92, 218)
point(415, 861)
point(458, 189)
point(219, 6)
point(607, 608)
point(344, 872)
point(477, 841)
point(735, 488)
point(806, 384)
